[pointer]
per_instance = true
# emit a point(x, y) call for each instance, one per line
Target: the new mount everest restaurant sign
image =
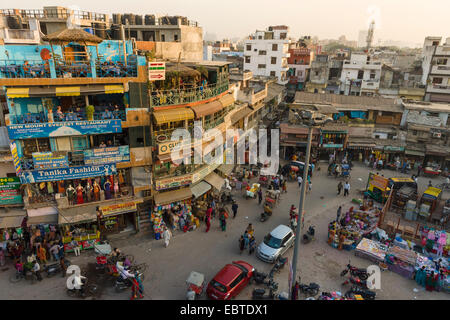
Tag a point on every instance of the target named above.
point(10, 191)
point(80, 172)
point(61, 129)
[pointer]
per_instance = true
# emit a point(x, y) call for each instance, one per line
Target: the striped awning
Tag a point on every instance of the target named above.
point(63, 91)
point(215, 180)
point(172, 115)
point(200, 188)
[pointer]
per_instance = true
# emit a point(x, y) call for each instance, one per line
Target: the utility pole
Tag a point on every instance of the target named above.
point(300, 209)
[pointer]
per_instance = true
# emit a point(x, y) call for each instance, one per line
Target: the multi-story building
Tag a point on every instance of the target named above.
point(318, 75)
point(360, 75)
point(266, 53)
point(78, 124)
point(299, 62)
point(436, 69)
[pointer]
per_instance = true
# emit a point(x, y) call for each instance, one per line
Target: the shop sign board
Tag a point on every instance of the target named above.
point(16, 158)
point(332, 145)
point(107, 155)
point(167, 147)
point(156, 71)
point(118, 208)
point(47, 160)
point(379, 182)
point(173, 182)
point(62, 129)
point(391, 148)
point(80, 172)
point(10, 191)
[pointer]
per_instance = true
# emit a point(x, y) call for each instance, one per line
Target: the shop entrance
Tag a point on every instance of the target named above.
point(114, 224)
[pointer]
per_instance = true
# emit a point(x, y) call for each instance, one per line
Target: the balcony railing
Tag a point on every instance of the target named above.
point(66, 69)
point(70, 116)
point(176, 96)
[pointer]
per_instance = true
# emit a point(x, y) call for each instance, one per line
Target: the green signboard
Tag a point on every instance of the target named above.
point(10, 191)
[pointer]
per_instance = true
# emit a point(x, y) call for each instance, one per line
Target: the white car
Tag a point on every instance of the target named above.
point(277, 242)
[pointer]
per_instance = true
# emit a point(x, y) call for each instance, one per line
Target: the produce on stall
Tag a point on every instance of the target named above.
point(372, 250)
point(401, 261)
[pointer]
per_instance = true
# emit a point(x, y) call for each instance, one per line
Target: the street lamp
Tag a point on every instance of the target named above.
point(311, 119)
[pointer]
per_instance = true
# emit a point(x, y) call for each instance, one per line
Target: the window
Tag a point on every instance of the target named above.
point(35, 145)
point(274, 47)
point(299, 73)
point(414, 132)
point(433, 114)
point(175, 37)
point(260, 37)
point(273, 74)
point(249, 47)
point(316, 73)
point(283, 35)
point(237, 280)
point(262, 52)
point(273, 60)
point(372, 76)
point(80, 143)
point(441, 61)
point(437, 80)
point(360, 74)
point(163, 38)
point(247, 59)
point(261, 66)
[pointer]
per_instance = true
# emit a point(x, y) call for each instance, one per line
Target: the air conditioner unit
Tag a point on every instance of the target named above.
point(436, 134)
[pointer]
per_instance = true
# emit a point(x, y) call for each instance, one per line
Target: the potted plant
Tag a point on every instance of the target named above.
point(90, 112)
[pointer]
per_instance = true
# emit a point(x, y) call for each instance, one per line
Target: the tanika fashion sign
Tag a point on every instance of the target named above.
point(62, 129)
point(68, 173)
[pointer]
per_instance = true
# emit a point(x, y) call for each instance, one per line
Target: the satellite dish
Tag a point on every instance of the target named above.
point(45, 54)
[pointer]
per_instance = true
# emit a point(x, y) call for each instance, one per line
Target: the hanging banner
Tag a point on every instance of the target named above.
point(10, 191)
point(107, 155)
point(173, 182)
point(48, 160)
point(331, 145)
point(68, 173)
point(118, 208)
point(16, 158)
point(62, 129)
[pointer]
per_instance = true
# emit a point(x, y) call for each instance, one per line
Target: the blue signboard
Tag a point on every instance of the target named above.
point(61, 129)
point(107, 155)
point(46, 160)
point(331, 145)
point(67, 173)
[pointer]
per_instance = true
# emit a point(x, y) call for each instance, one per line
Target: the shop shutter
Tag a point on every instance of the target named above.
point(138, 95)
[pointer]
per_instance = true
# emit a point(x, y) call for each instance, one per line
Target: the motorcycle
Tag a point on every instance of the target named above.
point(55, 268)
point(309, 235)
point(123, 284)
point(259, 277)
point(226, 198)
point(356, 272)
point(366, 294)
point(310, 290)
point(278, 266)
point(260, 294)
point(266, 214)
point(356, 281)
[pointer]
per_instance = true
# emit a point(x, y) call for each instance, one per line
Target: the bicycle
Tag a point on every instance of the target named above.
point(139, 268)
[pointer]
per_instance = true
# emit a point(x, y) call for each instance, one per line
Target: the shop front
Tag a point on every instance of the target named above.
point(118, 217)
point(360, 151)
point(435, 156)
point(332, 140)
point(414, 155)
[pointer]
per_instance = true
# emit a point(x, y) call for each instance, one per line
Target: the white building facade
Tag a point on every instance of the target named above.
point(360, 76)
point(266, 53)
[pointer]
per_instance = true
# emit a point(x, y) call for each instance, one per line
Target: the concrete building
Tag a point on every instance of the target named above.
point(436, 69)
point(360, 75)
point(266, 53)
point(318, 75)
point(299, 63)
point(207, 52)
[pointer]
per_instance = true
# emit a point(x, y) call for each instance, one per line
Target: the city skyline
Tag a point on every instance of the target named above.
point(399, 21)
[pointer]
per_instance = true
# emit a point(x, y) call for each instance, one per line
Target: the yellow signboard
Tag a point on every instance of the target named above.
point(118, 208)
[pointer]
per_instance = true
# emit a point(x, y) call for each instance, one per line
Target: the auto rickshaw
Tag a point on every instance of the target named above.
point(428, 202)
point(251, 193)
point(271, 198)
point(195, 283)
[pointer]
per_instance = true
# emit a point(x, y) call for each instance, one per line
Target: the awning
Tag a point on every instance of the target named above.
point(172, 196)
point(436, 151)
point(64, 90)
point(227, 100)
point(240, 114)
point(172, 115)
point(78, 215)
point(415, 153)
point(47, 215)
point(200, 188)
point(205, 109)
point(226, 169)
point(215, 180)
point(11, 218)
point(361, 145)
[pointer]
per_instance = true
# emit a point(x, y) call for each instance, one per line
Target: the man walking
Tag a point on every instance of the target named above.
point(300, 180)
point(260, 196)
point(346, 188)
point(339, 187)
point(208, 220)
point(234, 208)
point(338, 215)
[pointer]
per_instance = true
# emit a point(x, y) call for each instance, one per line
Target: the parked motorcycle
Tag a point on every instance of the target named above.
point(226, 198)
point(310, 290)
point(55, 268)
point(356, 281)
point(365, 293)
point(260, 294)
point(266, 214)
point(278, 266)
point(356, 272)
point(259, 277)
point(309, 235)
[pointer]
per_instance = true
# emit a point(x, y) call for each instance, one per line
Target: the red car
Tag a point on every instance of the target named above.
point(230, 281)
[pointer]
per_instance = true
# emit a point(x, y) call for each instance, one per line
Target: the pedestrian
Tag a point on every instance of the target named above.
point(284, 186)
point(76, 247)
point(338, 214)
point(431, 281)
point(299, 180)
point(2, 257)
point(430, 184)
point(250, 229)
point(309, 186)
point(209, 211)
point(339, 187)
point(421, 276)
point(346, 188)
point(260, 196)
point(419, 169)
point(208, 221)
point(234, 208)
point(42, 254)
point(223, 221)
point(166, 236)
point(213, 207)
point(63, 266)
point(54, 250)
point(241, 244)
point(36, 270)
point(251, 245)
point(246, 239)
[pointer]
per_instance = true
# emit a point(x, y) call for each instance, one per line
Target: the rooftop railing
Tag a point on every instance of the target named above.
point(183, 96)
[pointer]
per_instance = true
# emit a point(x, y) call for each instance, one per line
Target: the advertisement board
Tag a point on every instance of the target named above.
point(47, 160)
point(173, 182)
point(16, 158)
point(118, 208)
point(10, 191)
point(107, 155)
point(62, 129)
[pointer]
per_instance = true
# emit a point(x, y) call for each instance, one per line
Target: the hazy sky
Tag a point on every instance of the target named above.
point(402, 20)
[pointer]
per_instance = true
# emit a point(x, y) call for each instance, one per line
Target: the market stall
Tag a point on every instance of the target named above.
point(401, 261)
point(435, 242)
point(372, 250)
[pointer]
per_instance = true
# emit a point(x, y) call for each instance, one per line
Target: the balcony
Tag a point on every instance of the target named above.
point(20, 36)
point(438, 88)
point(370, 84)
point(440, 69)
point(162, 98)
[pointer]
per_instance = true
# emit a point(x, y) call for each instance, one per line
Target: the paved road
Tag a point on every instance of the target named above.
point(208, 252)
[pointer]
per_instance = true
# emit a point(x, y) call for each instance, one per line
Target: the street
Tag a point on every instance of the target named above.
point(207, 253)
